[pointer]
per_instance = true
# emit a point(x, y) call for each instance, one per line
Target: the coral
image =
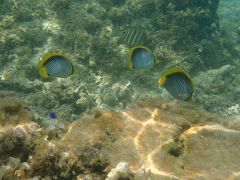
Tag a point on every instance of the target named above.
point(18, 141)
point(172, 140)
point(233, 110)
point(20, 132)
point(149, 139)
point(120, 172)
point(35, 156)
point(227, 12)
point(93, 159)
point(164, 137)
point(12, 111)
point(123, 171)
point(214, 85)
point(52, 162)
point(183, 33)
point(30, 151)
point(52, 159)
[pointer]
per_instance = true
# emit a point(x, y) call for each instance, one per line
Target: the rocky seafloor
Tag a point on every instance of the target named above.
point(119, 123)
point(151, 139)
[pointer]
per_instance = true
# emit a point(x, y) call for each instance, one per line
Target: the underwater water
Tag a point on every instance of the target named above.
point(111, 89)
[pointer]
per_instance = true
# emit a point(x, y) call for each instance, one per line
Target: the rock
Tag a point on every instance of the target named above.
point(211, 151)
point(142, 174)
point(120, 172)
point(123, 171)
point(18, 141)
point(213, 87)
point(13, 111)
point(19, 131)
point(14, 162)
point(181, 141)
point(25, 166)
point(4, 170)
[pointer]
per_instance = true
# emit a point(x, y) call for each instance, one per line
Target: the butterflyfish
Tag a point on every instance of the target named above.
point(55, 65)
point(132, 37)
point(141, 58)
point(178, 83)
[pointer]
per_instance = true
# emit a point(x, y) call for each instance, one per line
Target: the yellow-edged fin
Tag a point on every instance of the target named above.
point(45, 58)
point(162, 81)
point(130, 63)
point(131, 52)
point(43, 72)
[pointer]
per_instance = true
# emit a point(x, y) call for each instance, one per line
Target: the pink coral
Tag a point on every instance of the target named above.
point(19, 131)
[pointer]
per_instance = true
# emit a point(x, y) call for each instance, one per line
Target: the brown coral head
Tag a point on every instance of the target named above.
point(20, 132)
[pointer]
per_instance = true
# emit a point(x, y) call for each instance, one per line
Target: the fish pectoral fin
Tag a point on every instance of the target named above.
point(162, 81)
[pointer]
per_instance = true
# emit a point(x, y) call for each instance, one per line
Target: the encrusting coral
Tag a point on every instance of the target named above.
point(150, 139)
point(28, 150)
point(12, 110)
point(173, 140)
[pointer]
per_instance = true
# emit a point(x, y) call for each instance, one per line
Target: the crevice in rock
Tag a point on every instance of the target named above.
point(176, 148)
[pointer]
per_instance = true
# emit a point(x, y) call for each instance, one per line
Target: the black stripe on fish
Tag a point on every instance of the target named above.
point(179, 86)
point(132, 37)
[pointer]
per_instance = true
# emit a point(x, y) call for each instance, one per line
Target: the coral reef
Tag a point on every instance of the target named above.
point(151, 139)
point(18, 141)
point(113, 136)
point(184, 33)
point(227, 12)
point(12, 110)
point(30, 151)
point(218, 84)
point(174, 140)
point(123, 171)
